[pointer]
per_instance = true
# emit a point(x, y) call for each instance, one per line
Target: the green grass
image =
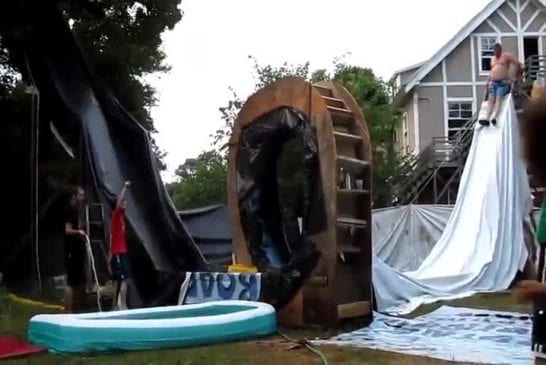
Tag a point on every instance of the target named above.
point(272, 350)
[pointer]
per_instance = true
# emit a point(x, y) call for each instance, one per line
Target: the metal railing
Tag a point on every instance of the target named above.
point(439, 153)
point(534, 68)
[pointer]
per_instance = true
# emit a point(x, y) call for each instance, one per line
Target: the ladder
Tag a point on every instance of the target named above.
point(96, 230)
point(350, 276)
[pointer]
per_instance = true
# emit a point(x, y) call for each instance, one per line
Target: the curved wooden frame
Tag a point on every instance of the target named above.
point(318, 299)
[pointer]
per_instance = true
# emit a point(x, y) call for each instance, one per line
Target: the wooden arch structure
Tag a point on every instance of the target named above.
point(340, 284)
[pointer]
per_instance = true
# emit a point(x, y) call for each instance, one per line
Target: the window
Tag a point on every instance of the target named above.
point(405, 132)
point(459, 112)
point(486, 45)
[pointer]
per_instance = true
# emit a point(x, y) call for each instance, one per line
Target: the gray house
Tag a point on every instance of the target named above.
point(438, 96)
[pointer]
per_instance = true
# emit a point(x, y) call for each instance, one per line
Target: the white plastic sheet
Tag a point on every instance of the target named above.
point(403, 236)
point(482, 246)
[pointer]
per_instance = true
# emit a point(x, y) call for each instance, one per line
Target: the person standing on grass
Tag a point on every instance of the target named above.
point(119, 264)
point(74, 252)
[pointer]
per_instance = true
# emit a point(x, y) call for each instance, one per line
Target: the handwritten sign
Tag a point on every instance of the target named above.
point(207, 286)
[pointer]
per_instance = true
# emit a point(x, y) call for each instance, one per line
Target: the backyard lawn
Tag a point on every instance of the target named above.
point(272, 350)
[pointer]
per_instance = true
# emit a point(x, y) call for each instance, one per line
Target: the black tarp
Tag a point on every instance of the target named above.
point(210, 228)
point(268, 218)
point(116, 148)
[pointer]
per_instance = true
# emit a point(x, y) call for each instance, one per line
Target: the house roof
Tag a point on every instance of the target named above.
point(409, 68)
point(435, 60)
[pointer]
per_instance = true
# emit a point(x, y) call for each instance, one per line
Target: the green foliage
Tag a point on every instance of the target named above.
point(372, 95)
point(122, 41)
point(201, 181)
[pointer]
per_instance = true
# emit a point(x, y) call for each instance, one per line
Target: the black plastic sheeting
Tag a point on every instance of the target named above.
point(263, 216)
point(117, 149)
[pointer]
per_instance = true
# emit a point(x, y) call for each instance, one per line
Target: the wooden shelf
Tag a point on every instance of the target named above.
point(351, 222)
point(352, 165)
point(347, 138)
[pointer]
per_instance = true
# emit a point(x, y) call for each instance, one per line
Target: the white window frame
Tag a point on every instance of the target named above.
point(480, 56)
point(405, 131)
point(459, 101)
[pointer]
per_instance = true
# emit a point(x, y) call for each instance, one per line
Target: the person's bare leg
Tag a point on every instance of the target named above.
point(496, 109)
point(115, 301)
point(490, 105)
point(489, 110)
point(68, 299)
point(123, 295)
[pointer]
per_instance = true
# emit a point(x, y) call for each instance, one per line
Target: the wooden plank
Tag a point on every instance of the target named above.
point(352, 222)
point(347, 138)
point(353, 191)
point(352, 165)
point(355, 309)
point(335, 102)
point(292, 314)
point(324, 91)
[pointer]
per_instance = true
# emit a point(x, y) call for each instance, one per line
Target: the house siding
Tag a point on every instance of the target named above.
point(537, 24)
point(459, 91)
point(527, 13)
point(500, 23)
point(431, 114)
point(406, 75)
point(435, 75)
point(509, 13)
point(408, 109)
point(459, 62)
point(462, 67)
point(485, 28)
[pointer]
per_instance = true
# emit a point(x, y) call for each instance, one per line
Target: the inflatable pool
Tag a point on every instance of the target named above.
point(153, 328)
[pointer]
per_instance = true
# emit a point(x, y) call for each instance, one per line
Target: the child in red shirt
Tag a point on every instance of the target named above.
point(119, 264)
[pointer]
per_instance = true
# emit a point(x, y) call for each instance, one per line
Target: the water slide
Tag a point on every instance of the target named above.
point(482, 247)
point(115, 148)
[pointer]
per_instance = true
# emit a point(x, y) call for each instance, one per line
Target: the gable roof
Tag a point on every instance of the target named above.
point(408, 68)
point(439, 56)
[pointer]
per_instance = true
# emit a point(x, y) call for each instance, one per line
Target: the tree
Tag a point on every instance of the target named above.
point(201, 181)
point(371, 94)
point(263, 76)
point(122, 41)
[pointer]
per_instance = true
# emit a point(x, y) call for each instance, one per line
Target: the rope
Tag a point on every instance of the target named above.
point(35, 158)
point(92, 260)
point(305, 343)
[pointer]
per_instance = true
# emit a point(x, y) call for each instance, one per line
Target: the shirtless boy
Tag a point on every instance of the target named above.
point(499, 82)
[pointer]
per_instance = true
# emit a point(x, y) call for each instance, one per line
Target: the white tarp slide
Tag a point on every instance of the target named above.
point(403, 236)
point(482, 246)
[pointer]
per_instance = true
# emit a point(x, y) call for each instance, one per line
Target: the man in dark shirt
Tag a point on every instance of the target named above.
point(74, 249)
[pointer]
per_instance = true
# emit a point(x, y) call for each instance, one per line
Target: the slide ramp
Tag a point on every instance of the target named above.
point(482, 246)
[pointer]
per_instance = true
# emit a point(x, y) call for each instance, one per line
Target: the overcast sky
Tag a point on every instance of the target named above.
point(208, 51)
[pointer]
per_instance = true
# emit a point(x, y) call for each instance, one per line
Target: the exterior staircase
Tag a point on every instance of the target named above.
point(433, 176)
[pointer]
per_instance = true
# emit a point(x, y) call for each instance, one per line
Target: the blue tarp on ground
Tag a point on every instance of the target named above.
point(449, 333)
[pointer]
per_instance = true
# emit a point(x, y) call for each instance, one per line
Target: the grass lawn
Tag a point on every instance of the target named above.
point(272, 350)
